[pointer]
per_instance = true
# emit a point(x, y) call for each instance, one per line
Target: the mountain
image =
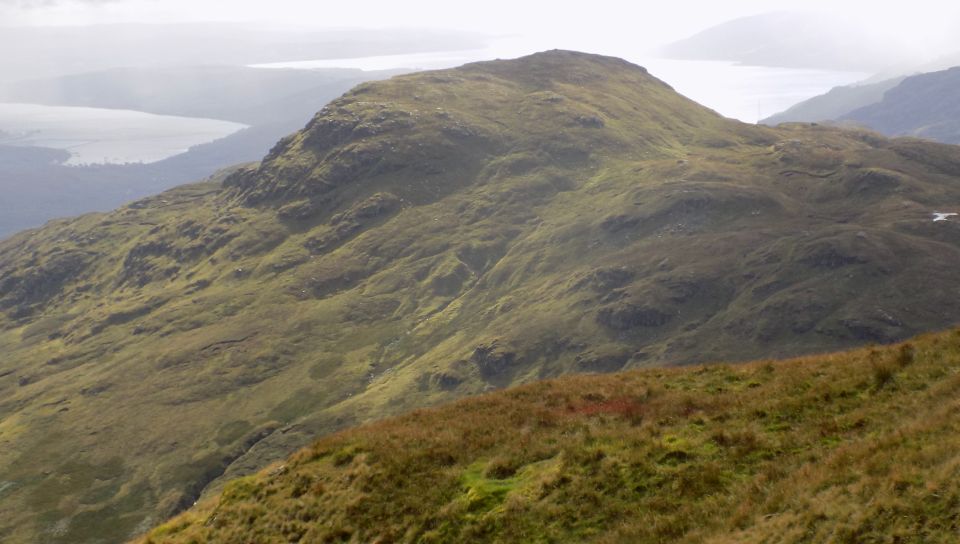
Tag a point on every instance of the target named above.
point(434, 236)
point(849, 447)
point(253, 96)
point(836, 103)
point(797, 40)
point(38, 186)
point(924, 106)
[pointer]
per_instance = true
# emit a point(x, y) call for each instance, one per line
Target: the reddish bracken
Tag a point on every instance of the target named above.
point(625, 407)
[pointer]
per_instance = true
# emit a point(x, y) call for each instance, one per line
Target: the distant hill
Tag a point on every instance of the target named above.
point(252, 96)
point(54, 51)
point(848, 447)
point(37, 187)
point(925, 106)
point(835, 104)
point(796, 40)
point(441, 234)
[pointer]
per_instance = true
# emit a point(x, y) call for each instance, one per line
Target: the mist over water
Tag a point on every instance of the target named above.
point(746, 93)
point(97, 136)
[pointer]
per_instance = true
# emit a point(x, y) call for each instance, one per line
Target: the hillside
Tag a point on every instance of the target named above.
point(798, 39)
point(850, 447)
point(834, 104)
point(925, 106)
point(434, 236)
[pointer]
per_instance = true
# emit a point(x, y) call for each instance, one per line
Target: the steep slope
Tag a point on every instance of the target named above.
point(925, 106)
point(834, 104)
point(433, 236)
point(851, 447)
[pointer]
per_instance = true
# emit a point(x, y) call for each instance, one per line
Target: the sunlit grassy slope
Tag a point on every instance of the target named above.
point(853, 447)
point(431, 237)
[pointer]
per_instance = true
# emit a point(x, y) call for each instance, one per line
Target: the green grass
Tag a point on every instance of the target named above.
point(435, 236)
point(823, 449)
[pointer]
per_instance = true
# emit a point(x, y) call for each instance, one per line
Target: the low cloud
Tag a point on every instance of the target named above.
point(31, 4)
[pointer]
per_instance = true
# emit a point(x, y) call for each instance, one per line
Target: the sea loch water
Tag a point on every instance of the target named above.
point(95, 135)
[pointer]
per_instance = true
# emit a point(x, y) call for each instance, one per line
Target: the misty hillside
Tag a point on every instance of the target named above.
point(847, 447)
point(433, 236)
point(253, 96)
point(54, 51)
point(835, 104)
point(797, 40)
point(925, 106)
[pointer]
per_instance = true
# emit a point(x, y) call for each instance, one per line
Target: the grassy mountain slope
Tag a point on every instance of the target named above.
point(834, 104)
point(430, 237)
point(925, 106)
point(849, 447)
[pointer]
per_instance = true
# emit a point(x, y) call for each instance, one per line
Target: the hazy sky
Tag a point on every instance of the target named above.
point(923, 30)
point(589, 25)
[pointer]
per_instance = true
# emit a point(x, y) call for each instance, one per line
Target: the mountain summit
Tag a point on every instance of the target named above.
point(440, 129)
point(434, 236)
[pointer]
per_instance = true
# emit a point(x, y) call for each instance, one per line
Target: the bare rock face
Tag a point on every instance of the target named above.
point(492, 360)
point(628, 316)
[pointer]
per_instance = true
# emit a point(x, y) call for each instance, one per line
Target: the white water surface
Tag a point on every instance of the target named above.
point(97, 135)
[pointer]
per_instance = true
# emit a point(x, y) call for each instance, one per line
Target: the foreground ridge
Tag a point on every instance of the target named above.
point(860, 446)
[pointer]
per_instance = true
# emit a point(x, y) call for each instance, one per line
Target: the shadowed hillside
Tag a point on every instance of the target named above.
point(433, 236)
point(925, 106)
point(836, 103)
point(922, 106)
